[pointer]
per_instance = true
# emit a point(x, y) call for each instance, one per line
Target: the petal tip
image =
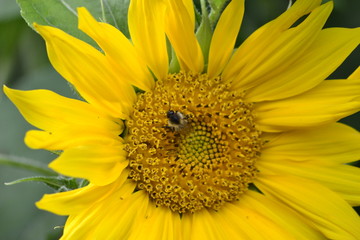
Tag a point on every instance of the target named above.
point(81, 10)
point(5, 88)
point(9, 92)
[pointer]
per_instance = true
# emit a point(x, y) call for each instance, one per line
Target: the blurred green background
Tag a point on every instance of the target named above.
point(24, 65)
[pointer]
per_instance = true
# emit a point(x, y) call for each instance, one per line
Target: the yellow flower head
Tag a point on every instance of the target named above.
point(241, 144)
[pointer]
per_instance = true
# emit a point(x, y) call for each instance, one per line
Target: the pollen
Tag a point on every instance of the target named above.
point(209, 160)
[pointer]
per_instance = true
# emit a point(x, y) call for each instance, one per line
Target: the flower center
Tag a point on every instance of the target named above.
point(192, 143)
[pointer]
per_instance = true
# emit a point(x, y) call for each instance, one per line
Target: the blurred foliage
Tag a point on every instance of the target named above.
point(24, 65)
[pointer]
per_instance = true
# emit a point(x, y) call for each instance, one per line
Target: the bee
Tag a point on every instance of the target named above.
point(176, 120)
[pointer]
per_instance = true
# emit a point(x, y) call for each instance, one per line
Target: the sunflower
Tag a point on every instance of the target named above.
point(207, 144)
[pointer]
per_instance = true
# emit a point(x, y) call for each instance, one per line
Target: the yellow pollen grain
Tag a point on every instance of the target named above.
point(206, 161)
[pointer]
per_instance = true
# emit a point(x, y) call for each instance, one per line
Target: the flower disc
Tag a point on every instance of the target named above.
point(192, 143)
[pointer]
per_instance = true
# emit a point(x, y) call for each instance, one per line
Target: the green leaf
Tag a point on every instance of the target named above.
point(117, 11)
point(26, 164)
point(58, 183)
point(62, 14)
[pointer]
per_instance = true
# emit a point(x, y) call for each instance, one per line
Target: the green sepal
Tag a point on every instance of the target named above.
point(217, 6)
point(174, 66)
point(204, 32)
point(58, 183)
point(83, 183)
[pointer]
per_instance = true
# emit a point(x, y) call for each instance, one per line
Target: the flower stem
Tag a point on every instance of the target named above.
point(26, 164)
point(216, 10)
point(103, 11)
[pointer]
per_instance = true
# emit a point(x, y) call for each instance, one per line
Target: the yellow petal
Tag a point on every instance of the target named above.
point(67, 122)
point(121, 217)
point(51, 112)
point(233, 222)
point(342, 179)
point(282, 52)
point(159, 223)
point(89, 71)
point(203, 225)
point(316, 63)
point(75, 201)
point(236, 225)
point(147, 30)
point(189, 5)
point(222, 45)
point(323, 208)
point(126, 63)
point(267, 226)
point(326, 103)
point(284, 217)
point(180, 31)
point(72, 136)
point(260, 40)
point(334, 143)
point(114, 217)
point(100, 165)
point(355, 74)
